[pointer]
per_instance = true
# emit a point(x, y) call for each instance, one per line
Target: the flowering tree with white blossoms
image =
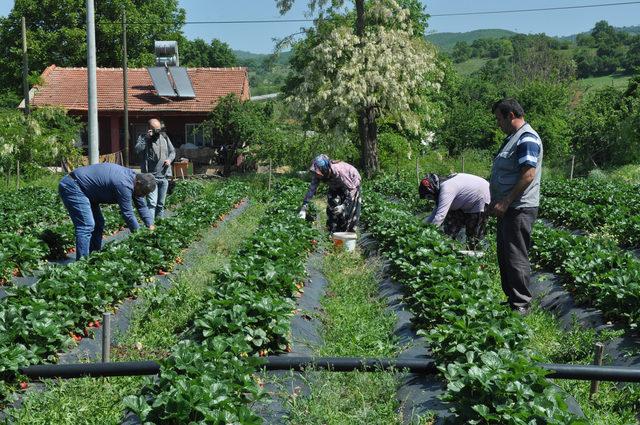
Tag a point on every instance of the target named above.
point(354, 75)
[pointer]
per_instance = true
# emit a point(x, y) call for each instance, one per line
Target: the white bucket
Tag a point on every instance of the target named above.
point(346, 240)
point(477, 254)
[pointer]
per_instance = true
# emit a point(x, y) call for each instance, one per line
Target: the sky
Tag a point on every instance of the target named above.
point(258, 38)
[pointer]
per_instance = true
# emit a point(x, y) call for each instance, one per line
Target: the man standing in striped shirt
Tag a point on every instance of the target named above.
point(515, 197)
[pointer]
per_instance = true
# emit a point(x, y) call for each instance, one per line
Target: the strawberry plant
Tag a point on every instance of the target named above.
point(491, 375)
point(35, 226)
point(209, 377)
point(35, 322)
point(578, 204)
point(596, 271)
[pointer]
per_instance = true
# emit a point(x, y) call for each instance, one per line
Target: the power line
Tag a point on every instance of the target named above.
point(540, 9)
point(435, 15)
point(257, 21)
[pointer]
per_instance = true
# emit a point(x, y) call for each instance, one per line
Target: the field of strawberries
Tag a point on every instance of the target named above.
point(486, 354)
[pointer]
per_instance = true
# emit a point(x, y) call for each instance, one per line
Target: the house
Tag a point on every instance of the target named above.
point(67, 87)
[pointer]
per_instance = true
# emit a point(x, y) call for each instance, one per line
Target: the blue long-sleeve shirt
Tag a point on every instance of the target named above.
point(113, 184)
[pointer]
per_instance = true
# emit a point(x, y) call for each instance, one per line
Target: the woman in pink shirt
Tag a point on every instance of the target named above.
point(344, 200)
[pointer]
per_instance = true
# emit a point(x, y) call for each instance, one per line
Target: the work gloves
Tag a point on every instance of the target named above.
point(303, 212)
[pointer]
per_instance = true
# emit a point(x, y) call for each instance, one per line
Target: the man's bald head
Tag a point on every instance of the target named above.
point(154, 124)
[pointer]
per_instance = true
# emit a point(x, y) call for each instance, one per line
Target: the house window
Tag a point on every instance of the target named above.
point(196, 135)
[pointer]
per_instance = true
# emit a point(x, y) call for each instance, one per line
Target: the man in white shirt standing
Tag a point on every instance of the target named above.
point(461, 202)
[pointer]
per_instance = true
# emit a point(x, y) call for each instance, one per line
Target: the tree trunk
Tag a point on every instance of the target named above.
point(369, 141)
point(359, 18)
point(367, 119)
point(229, 159)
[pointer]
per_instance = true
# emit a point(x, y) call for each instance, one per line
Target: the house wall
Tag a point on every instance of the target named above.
point(111, 137)
point(174, 125)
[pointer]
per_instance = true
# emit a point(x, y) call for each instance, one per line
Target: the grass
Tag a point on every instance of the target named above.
point(48, 181)
point(627, 173)
point(470, 66)
point(612, 404)
point(594, 83)
point(155, 329)
point(355, 323)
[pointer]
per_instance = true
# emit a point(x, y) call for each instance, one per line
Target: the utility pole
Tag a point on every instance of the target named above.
point(92, 85)
point(125, 87)
point(25, 67)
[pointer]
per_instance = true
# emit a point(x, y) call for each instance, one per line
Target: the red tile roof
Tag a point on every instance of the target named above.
point(67, 87)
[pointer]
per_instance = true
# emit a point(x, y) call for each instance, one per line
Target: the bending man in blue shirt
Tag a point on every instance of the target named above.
point(85, 188)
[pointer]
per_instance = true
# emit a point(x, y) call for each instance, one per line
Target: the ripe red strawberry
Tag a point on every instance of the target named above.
point(24, 385)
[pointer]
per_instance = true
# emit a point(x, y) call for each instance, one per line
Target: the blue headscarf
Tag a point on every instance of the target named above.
point(321, 164)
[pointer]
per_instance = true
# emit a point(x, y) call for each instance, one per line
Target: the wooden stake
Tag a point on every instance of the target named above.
point(417, 168)
point(106, 337)
point(17, 174)
point(270, 163)
point(599, 349)
point(463, 163)
point(573, 163)
point(25, 67)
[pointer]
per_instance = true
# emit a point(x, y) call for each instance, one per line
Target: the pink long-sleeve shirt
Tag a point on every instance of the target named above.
point(342, 176)
point(464, 192)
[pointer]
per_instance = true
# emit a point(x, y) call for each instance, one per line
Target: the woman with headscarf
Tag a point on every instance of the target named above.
point(343, 201)
point(461, 202)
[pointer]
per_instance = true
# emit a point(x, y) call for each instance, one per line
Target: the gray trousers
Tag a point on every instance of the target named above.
point(513, 241)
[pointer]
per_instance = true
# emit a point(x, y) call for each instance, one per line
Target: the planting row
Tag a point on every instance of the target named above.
point(595, 192)
point(37, 321)
point(612, 219)
point(34, 226)
point(480, 345)
point(208, 378)
point(595, 270)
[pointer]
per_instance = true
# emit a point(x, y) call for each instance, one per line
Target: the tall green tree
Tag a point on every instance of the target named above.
point(198, 53)
point(56, 33)
point(236, 124)
point(349, 76)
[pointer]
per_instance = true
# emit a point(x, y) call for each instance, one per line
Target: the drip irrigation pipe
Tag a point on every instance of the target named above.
point(336, 364)
point(348, 364)
point(95, 370)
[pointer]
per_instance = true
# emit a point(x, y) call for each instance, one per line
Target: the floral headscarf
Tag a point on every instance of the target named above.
point(321, 164)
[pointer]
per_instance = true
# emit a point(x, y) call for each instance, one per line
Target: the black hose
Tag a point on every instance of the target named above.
point(347, 364)
point(592, 373)
point(337, 364)
point(79, 370)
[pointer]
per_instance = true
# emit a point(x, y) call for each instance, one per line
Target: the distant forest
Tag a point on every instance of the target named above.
point(602, 51)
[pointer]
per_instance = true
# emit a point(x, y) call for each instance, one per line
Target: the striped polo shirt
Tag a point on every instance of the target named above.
point(528, 150)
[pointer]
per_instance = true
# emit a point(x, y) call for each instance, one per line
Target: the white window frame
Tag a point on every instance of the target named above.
point(189, 128)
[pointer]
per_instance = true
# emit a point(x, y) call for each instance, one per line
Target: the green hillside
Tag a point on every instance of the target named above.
point(243, 56)
point(446, 40)
point(631, 30)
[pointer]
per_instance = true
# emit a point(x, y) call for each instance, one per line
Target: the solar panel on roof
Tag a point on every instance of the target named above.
point(182, 81)
point(161, 81)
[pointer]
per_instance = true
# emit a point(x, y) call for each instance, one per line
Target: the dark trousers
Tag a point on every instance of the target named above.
point(475, 225)
point(513, 241)
point(343, 210)
point(85, 215)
